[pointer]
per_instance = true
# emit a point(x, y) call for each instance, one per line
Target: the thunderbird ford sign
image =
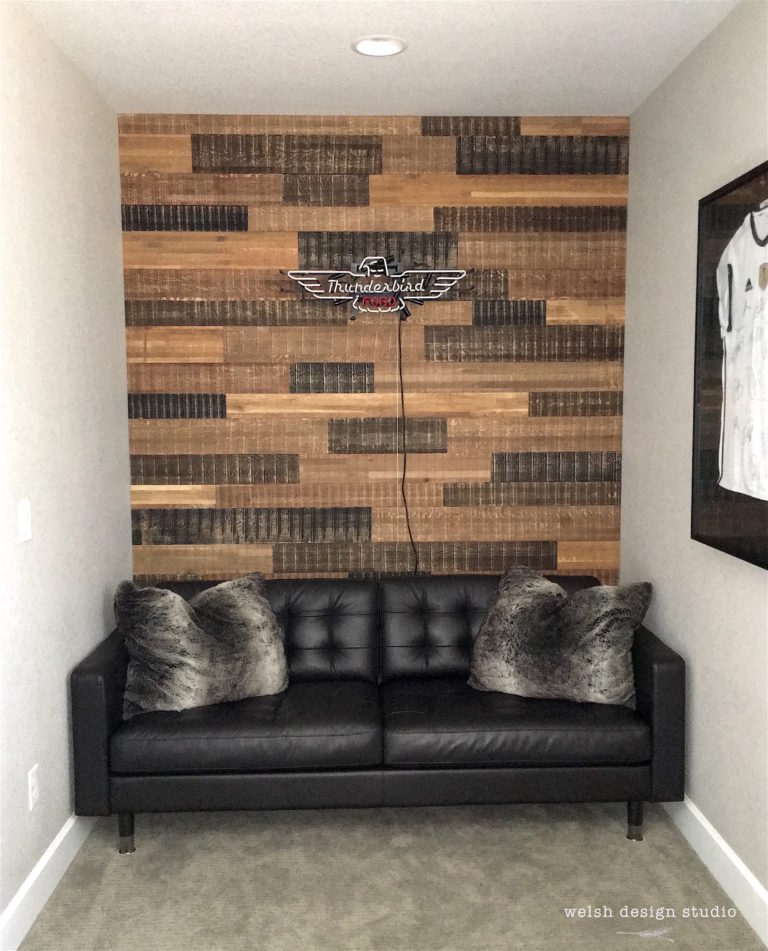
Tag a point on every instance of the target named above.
point(375, 286)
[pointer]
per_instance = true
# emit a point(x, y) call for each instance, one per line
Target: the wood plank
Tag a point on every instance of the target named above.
point(220, 313)
point(575, 343)
point(574, 125)
point(535, 434)
point(374, 494)
point(541, 155)
point(598, 251)
point(443, 189)
point(528, 523)
point(443, 376)
point(246, 434)
point(174, 344)
point(348, 343)
point(179, 250)
point(430, 314)
point(220, 124)
point(185, 217)
point(426, 153)
point(608, 311)
point(218, 284)
point(565, 282)
point(587, 555)
point(155, 153)
point(290, 154)
point(462, 494)
point(207, 378)
point(281, 217)
point(363, 558)
point(173, 496)
point(174, 188)
point(207, 562)
point(427, 467)
point(496, 219)
point(470, 125)
point(472, 404)
point(337, 249)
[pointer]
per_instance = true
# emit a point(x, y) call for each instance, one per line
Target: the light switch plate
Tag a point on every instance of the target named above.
point(25, 520)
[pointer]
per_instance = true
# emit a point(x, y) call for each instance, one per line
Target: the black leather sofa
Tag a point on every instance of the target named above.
point(377, 712)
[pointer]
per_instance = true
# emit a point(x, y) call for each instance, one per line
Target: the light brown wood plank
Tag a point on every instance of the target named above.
point(574, 125)
point(166, 188)
point(179, 250)
point(208, 284)
point(470, 404)
point(438, 189)
point(606, 312)
point(318, 495)
point(219, 124)
point(211, 562)
point(173, 496)
point(207, 378)
point(422, 467)
point(445, 376)
point(349, 343)
point(329, 218)
point(586, 555)
point(418, 153)
point(603, 250)
point(174, 344)
point(155, 153)
point(245, 435)
point(494, 523)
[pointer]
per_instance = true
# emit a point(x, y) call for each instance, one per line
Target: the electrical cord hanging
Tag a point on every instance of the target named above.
point(400, 322)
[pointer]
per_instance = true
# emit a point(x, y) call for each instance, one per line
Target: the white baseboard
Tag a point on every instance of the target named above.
point(38, 886)
point(748, 894)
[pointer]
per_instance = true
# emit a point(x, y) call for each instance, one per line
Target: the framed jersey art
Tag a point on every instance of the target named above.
point(729, 505)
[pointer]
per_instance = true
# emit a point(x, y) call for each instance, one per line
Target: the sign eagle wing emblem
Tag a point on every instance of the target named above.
point(316, 283)
point(438, 283)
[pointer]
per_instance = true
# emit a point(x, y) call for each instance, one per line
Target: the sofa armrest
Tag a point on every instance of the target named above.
point(660, 698)
point(97, 685)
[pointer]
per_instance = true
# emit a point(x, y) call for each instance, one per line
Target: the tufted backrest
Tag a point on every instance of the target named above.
point(330, 626)
point(429, 623)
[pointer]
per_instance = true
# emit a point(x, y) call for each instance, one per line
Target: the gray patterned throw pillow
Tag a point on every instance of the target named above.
point(537, 642)
point(225, 644)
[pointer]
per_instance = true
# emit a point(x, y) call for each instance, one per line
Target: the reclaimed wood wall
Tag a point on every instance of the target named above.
point(264, 425)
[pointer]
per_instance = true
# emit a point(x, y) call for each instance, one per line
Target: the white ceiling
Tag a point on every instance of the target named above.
point(464, 57)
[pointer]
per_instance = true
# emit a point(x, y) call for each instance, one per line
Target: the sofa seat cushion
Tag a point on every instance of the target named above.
point(444, 722)
point(311, 725)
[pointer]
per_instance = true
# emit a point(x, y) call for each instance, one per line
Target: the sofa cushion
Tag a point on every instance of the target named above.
point(335, 724)
point(330, 625)
point(537, 642)
point(429, 623)
point(444, 722)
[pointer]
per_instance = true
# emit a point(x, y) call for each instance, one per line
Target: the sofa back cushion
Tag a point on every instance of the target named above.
point(429, 623)
point(330, 626)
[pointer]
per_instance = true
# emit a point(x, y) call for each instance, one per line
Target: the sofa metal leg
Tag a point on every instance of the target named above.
point(125, 833)
point(635, 821)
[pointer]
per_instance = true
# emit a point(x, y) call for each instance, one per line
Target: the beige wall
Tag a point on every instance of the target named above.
point(703, 127)
point(63, 420)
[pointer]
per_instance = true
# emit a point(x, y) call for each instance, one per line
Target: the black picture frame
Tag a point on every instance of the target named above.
point(728, 521)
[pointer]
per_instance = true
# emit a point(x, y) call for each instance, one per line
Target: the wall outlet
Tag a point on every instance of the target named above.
point(33, 787)
point(24, 520)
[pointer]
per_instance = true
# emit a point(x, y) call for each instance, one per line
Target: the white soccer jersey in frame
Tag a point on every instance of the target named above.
point(742, 286)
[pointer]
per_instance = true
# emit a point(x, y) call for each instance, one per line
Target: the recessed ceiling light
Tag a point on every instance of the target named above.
point(379, 45)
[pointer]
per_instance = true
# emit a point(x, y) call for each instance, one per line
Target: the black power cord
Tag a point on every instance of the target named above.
point(400, 322)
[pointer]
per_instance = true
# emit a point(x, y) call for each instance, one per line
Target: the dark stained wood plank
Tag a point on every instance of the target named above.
point(525, 218)
point(177, 406)
point(223, 313)
point(332, 378)
point(387, 434)
point(470, 125)
point(340, 249)
point(542, 155)
point(214, 469)
point(513, 313)
point(185, 217)
point(556, 344)
point(556, 467)
point(514, 494)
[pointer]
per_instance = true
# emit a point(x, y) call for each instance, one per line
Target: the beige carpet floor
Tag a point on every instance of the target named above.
point(436, 879)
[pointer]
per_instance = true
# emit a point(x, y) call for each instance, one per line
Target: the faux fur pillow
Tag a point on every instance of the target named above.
point(536, 642)
point(225, 644)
